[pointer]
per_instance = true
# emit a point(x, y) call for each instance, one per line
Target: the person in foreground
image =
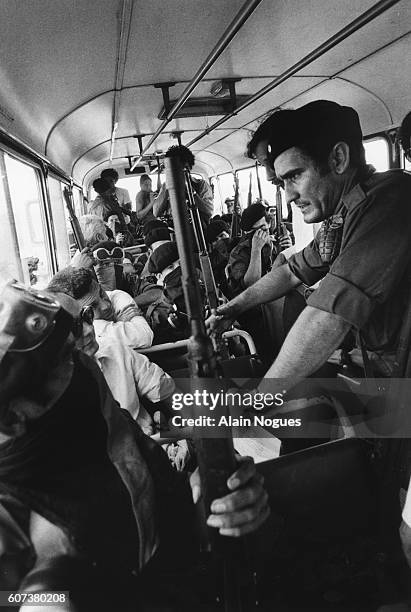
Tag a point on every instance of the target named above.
point(361, 252)
point(87, 501)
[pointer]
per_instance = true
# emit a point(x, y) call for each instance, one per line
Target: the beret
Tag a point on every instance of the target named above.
point(320, 119)
point(149, 225)
point(214, 228)
point(251, 215)
point(101, 185)
point(158, 233)
point(164, 256)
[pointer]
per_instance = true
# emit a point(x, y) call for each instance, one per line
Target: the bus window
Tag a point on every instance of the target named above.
point(61, 223)
point(376, 154)
point(10, 263)
point(226, 188)
point(29, 217)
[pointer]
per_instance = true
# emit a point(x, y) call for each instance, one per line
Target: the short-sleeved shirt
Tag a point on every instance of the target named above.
point(368, 281)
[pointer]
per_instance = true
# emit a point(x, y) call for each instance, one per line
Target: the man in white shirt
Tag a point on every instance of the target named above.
point(129, 375)
point(117, 317)
point(123, 195)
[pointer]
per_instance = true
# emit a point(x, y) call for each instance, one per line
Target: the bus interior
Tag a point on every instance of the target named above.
point(88, 85)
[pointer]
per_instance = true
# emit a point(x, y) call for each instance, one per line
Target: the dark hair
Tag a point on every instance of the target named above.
point(183, 153)
point(314, 129)
point(109, 173)
point(144, 178)
point(404, 136)
point(101, 185)
point(75, 282)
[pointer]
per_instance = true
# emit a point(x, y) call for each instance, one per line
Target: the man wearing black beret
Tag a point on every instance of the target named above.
point(361, 252)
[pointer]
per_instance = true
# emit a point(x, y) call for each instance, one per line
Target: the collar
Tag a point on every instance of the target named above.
point(356, 194)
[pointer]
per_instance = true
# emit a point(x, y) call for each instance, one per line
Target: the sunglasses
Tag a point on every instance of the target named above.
point(86, 316)
point(102, 253)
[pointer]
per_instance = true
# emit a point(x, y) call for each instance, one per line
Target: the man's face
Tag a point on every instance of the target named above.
point(230, 206)
point(111, 180)
point(316, 194)
point(101, 303)
point(262, 156)
point(261, 224)
point(222, 235)
point(146, 185)
point(87, 342)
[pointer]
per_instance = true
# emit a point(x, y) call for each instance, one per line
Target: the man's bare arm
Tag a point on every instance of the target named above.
point(271, 286)
point(308, 345)
point(160, 202)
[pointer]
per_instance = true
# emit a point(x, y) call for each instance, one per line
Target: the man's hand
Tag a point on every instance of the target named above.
point(84, 259)
point(241, 511)
point(218, 323)
point(128, 313)
point(260, 239)
point(285, 240)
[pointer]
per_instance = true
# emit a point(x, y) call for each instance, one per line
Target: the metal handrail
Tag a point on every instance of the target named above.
point(244, 13)
point(334, 40)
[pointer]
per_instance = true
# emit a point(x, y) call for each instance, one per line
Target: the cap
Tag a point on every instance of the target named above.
point(215, 228)
point(164, 256)
point(251, 215)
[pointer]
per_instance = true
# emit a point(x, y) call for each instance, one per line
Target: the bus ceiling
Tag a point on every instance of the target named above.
point(100, 84)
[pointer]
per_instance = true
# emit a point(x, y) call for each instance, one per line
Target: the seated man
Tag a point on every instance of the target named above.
point(217, 235)
point(254, 255)
point(251, 259)
point(117, 317)
point(129, 374)
point(86, 500)
point(165, 265)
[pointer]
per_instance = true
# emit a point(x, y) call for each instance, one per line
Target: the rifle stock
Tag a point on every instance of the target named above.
point(75, 225)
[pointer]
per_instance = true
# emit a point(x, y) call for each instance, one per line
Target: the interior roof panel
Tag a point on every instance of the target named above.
point(166, 34)
point(74, 45)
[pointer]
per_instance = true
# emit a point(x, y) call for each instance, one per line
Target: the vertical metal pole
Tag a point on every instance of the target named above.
point(10, 215)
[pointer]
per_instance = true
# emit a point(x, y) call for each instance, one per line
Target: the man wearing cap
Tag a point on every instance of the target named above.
point(86, 500)
point(254, 255)
point(361, 252)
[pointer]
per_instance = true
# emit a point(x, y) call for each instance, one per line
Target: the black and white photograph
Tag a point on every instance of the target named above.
point(205, 306)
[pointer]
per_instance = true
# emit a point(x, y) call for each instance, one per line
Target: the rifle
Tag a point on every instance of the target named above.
point(279, 229)
point(158, 175)
point(250, 193)
point(75, 225)
point(208, 276)
point(260, 193)
point(215, 456)
point(235, 231)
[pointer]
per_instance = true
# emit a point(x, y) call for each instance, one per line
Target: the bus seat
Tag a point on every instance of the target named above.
point(326, 491)
point(172, 357)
